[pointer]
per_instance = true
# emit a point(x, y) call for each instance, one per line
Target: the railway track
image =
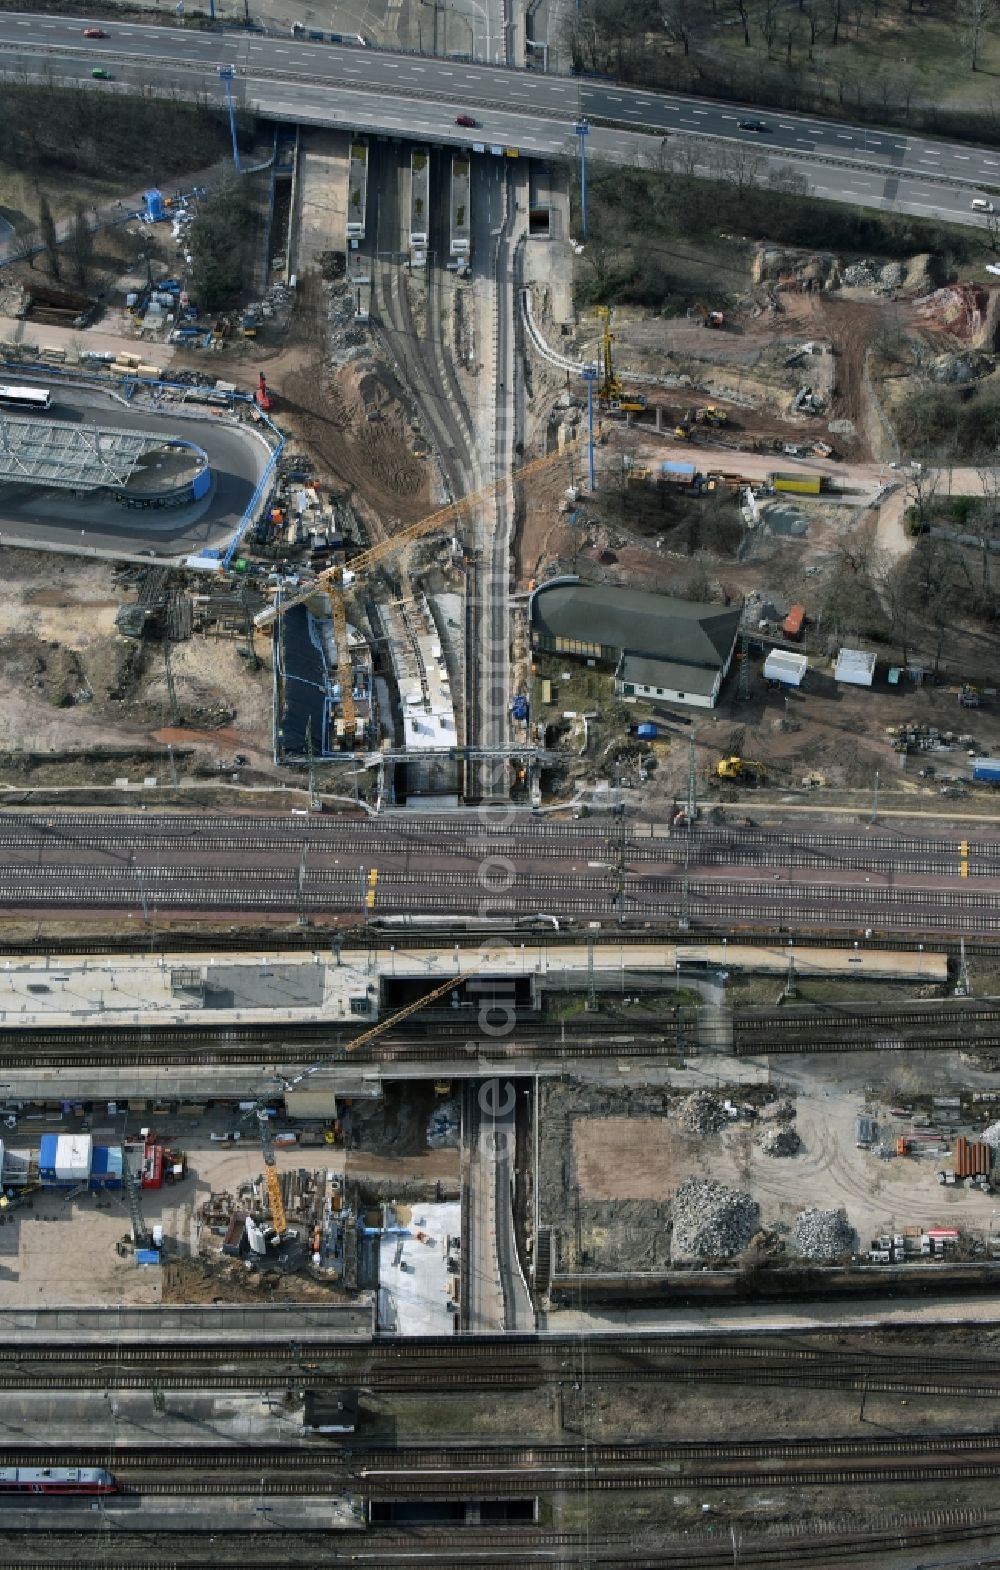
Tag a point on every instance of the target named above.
point(707, 845)
point(472, 1459)
point(495, 1363)
point(944, 1025)
point(666, 899)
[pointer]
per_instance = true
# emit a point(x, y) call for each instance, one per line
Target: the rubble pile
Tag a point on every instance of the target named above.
point(778, 1112)
point(780, 1140)
point(823, 1234)
point(443, 1126)
point(991, 1136)
point(700, 1113)
point(711, 1221)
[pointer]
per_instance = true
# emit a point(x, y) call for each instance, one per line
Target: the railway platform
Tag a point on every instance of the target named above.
point(346, 988)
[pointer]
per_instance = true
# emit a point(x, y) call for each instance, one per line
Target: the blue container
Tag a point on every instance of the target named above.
point(646, 732)
point(47, 1155)
point(986, 769)
point(147, 1256)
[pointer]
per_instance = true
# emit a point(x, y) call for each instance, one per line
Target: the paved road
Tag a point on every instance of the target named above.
point(420, 97)
point(30, 515)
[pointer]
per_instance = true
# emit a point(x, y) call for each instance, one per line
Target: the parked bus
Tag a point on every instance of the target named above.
point(25, 397)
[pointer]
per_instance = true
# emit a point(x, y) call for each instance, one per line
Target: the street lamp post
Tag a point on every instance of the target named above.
point(582, 129)
point(590, 377)
point(226, 74)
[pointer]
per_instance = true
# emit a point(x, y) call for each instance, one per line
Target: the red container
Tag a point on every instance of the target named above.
point(794, 622)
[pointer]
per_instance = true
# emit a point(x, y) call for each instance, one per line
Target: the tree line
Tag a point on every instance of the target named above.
point(685, 45)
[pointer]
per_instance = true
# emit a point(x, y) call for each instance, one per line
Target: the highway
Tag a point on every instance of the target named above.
point(808, 877)
point(419, 97)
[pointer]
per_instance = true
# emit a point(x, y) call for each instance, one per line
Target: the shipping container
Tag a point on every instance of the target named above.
point(47, 1155)
point(646, 732)
point(147, 1256)
point(106, 1167)
point(987, 770)
point(232, 1245)
point(676, 472)
point(794, 622)
point(865, 1130)
point(800, 484)
point(74, 1153)
point(972, 1158)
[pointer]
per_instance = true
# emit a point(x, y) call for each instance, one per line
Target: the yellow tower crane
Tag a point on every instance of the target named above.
point(332, 579)
point(272, 1182)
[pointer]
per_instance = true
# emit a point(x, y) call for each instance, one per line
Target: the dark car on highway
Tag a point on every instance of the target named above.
point(753, 125)
point(466, 119)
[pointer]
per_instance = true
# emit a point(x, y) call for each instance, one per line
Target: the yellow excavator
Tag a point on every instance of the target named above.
point(332, 579)
point(745, 769)
point(272, 1182)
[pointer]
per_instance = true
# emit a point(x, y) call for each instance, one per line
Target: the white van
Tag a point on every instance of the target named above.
point(981, 205)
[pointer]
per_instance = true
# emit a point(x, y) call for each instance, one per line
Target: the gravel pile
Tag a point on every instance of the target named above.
point(892, 274)
point(701, 1113)
point(780, 1140)
point(711, 1221)
point(823, 1234)
point(991, 1136)
point(862, 275)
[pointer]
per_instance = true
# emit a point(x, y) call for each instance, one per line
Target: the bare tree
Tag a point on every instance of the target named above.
point(678, 21)
point(974, 18)
point(745, 20)
point(768, 22)
point(81, 245)
point(835, 11)
point(47, 230)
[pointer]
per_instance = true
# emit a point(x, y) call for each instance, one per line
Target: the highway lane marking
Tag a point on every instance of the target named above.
point(615, 98)
point(964, 157)
point(699, 111)
point(783, 125)
point(842, 138)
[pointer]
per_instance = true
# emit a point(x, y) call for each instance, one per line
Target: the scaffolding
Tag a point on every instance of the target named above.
point(71, 457)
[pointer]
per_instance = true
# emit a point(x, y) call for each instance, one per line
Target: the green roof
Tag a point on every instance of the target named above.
point(683, 632)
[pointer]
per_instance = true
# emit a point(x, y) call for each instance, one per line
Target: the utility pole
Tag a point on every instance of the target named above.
point(743, 675)
point(226, 74)
point(874, 816)
point(300, 890)
point(963, 986)
point(171, 689)
point(590, 377)
point(591, 989)
point(582, 129)
point(248, 625)
point(314, 802)
point(692, 801)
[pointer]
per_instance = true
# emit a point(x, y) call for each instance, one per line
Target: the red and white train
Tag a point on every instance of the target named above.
point(56, 1480)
